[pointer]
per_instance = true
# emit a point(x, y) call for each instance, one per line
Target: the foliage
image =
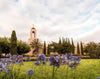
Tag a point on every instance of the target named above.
point(44, 49)
point(82, 52)
point(78, 49)
point(5, 44)
point(22, 47)
point(62, 47)
point(93, 49)
point(36, 44)
point(0, 52)
point(13, 48)
point(73, 47)
point(48, 49)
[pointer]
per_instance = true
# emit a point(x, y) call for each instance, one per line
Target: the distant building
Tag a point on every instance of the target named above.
point(33, 36)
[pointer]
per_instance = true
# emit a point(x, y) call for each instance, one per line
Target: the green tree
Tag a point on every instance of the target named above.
point(48, 49)
point(13, 49)
point(78, 49)
point(59, 40)
point(73, 47)
point(22, 47)
point(44, 49)
point(37, 45)
point(82, 52)
point(5, 44)
point(0, 51)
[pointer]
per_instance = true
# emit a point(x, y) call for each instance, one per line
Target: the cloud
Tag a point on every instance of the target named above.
point(52, 19)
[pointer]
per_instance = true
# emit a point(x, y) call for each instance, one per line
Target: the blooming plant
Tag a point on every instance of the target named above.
point(8, 64)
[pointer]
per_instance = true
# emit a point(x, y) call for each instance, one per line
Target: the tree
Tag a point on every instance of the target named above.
point(36, 44)
point(44, 49)
point(59, 40)
point(93, 49)
point(48, 49)
point(82, 52)
point(22, 47)
point(5, 44)
point(61, 47)
point(78, 49)
point(0, 51)
point(73, 47)
point(13, 49)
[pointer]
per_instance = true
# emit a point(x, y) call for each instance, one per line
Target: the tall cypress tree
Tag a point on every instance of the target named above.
point(69, 41)
point(48, 50)
point(0, 51)
point(82, 49)
point(44, 47)
point(13, 48)
point(78, 49)
point(73, 47)
point(59, 40)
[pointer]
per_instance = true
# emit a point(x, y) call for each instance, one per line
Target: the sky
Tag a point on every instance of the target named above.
point(77, 19)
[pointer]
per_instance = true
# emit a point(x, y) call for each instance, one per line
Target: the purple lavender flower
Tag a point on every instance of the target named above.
point(99, 77)
point(74, 62)
point(69, 55)
point(8, 70)
point(41, 57)
point(8, 55)
point(30, 72)
point(20, 56)
point(64, 60)
point(26, 58)
point(37, 63)
point(55, 61)
point(20, 62)
point(29, 58)
point(2, 66)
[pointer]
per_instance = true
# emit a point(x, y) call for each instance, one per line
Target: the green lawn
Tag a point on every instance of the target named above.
point(88, 69)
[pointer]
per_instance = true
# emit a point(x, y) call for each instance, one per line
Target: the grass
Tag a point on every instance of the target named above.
point(88, 69)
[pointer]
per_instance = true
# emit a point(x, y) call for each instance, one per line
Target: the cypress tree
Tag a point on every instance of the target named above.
point(59, 40)
point(44, 47)
point(69, 41)
point(73, 47)
point(82, 49)
point(0, 51)
point(48, 50)
point(13, 48)
point(78, 49)
point(66, 40)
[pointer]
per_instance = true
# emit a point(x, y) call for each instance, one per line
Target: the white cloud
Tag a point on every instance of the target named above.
point(52, 18)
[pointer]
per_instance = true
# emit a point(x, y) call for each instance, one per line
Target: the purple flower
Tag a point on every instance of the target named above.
point(8, 70)
point(99, 77)
point(29, 58)
point(26, 58)
point(20, 56)
point(8, 55)
point(64, 60)
point(55, 61)
point(30, 72)
point(41, 57)
point(20, 62)
point(69, 55)
point(2, 66)
point(74, 62)
point(37, 63)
